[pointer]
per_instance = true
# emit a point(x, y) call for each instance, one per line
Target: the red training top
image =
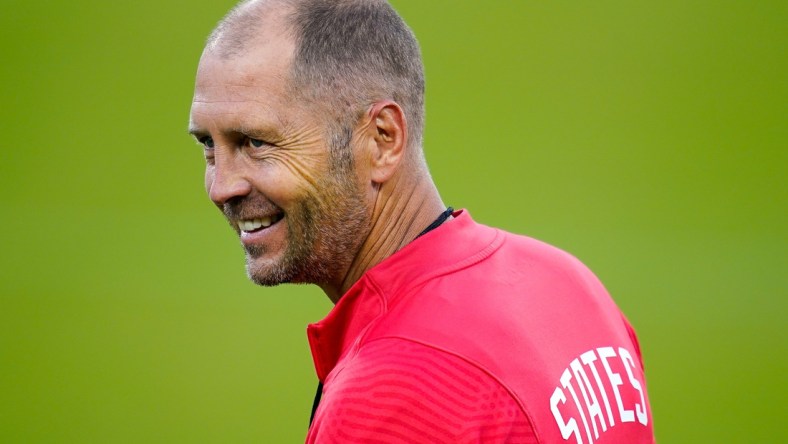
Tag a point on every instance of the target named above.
point(470, 334)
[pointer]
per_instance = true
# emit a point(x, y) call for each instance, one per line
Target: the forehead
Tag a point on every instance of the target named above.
point(253, 82)
point(239, 79)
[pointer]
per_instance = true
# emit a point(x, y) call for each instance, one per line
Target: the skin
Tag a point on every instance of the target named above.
point(268, 155)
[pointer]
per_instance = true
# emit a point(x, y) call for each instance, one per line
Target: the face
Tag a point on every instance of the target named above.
point(300, 215)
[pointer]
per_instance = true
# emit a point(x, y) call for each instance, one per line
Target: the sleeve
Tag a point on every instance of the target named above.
point(397, 391)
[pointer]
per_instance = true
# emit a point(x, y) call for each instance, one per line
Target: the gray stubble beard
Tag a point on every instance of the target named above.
point(323, 235)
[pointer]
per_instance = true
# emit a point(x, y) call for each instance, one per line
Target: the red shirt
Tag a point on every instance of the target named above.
point(471, 334)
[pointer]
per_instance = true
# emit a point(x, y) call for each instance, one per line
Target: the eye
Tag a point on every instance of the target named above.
point(207, 141)
point(257, 143)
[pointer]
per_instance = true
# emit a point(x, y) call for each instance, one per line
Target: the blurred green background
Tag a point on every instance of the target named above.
point(648, 139)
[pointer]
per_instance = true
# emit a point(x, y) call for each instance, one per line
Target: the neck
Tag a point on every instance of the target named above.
point(397, 219)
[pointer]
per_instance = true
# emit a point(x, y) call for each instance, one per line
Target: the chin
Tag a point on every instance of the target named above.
point(267, 273)
point(272, 272)
point(266, 279)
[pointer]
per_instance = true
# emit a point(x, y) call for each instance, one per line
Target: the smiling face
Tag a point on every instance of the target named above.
point(300, 213)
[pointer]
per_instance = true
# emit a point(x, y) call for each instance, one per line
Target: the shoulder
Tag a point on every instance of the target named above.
point(397, 390)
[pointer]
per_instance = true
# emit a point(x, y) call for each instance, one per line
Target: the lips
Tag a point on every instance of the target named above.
point(261, 223)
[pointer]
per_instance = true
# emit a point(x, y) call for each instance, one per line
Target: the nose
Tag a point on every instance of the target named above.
point(226, 180)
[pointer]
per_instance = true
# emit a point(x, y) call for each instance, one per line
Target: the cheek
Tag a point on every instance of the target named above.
point(287, 179)
point(281, 188)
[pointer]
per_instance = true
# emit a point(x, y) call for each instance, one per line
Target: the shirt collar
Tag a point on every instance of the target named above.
point(455, 243)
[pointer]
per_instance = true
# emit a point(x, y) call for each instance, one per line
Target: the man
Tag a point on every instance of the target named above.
point(444, 330)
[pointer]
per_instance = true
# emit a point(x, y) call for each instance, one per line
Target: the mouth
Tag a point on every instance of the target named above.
point(258, 224)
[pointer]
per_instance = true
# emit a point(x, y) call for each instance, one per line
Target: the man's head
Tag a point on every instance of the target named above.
point(305, 108)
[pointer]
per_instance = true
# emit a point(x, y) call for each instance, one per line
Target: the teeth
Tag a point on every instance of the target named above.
point(248, 225)
point(254, 224)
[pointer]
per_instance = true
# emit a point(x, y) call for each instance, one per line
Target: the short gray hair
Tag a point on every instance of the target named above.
point(349, 54)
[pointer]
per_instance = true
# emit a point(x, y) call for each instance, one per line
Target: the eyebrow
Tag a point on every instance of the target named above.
point(274, 126)
point(196, 131)
point(262, 133)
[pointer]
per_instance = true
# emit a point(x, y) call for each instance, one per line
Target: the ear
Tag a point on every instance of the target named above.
point(388, 135)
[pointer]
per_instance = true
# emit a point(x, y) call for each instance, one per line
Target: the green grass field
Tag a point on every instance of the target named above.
point(650, 140)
